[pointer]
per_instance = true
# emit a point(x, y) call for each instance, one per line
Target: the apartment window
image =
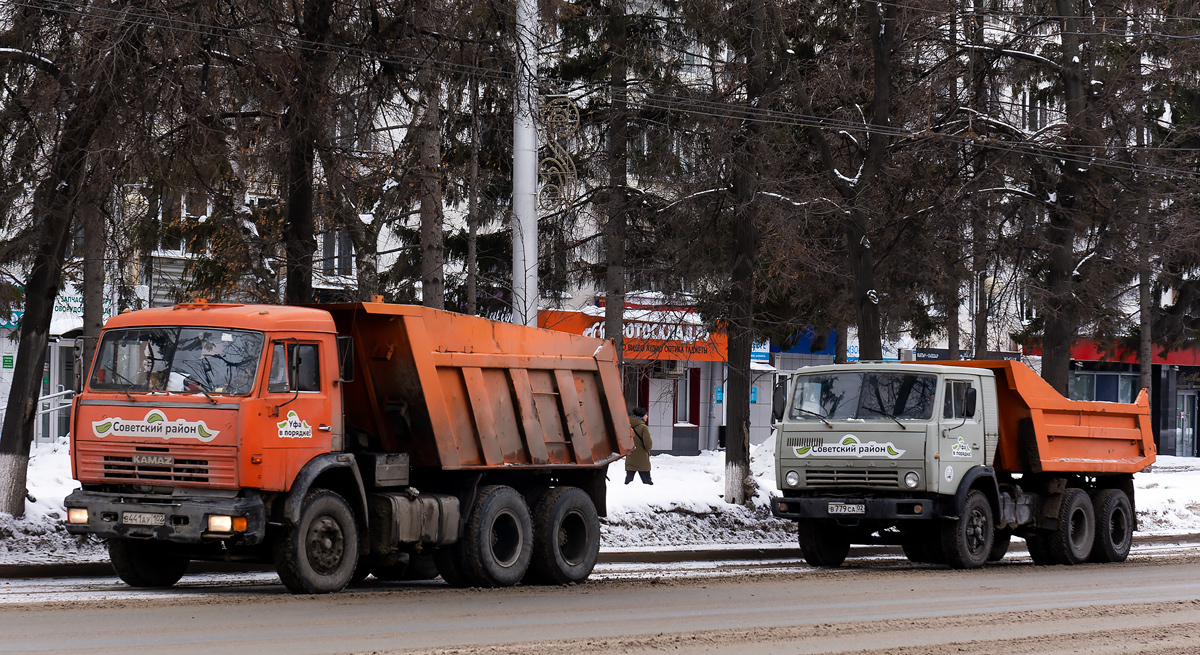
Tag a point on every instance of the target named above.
point(337, 253)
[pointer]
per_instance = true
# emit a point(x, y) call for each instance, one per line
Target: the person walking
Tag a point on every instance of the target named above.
point(638, 461)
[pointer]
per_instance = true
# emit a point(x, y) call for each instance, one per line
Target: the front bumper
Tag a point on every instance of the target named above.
point(184, 518)
point(891, 509)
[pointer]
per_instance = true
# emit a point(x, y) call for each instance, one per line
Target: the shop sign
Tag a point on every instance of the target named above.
point(644, 339)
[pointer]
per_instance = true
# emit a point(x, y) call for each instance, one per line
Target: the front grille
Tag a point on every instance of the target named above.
point(871, 478)
point(202, 466)
point(800, 442)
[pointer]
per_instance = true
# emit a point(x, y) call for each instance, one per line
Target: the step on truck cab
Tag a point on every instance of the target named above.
point(342, 441)
point(951, 460)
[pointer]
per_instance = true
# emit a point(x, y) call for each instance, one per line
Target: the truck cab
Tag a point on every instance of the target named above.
point(219, 403)
point(951, 460)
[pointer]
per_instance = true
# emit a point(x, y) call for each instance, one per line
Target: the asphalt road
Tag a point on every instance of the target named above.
point(878, 605)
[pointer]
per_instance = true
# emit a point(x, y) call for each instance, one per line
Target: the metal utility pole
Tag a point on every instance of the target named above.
point(524, 224)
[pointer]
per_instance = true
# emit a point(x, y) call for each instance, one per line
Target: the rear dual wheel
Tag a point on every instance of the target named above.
point(496, 546)
point(1114, 526)
point(566, 537)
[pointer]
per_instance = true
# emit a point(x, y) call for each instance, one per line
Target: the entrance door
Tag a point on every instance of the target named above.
point(1186, 444)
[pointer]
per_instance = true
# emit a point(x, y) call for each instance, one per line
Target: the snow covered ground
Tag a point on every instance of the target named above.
point(683, 509)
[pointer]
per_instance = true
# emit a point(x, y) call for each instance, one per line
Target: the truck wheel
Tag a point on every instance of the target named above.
point(924, 552)
point(967, 542)
point(823, 544)
point(497, 545)
point(418, 567)
point(1039, 549)
point(566, 537)
point(319, 554)
point(1000, 545)
point(1071, 542)
point(1114, 526)
point(446, 559)
point(146, 563)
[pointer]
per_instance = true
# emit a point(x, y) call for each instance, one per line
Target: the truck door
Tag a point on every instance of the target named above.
point(305, 417)
point(961, 441)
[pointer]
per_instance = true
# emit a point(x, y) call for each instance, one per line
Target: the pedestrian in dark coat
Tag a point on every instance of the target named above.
point(638, 461)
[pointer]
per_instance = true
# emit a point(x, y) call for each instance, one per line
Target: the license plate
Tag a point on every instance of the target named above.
point(154, 460)
point(847, 508)
point(142, 518)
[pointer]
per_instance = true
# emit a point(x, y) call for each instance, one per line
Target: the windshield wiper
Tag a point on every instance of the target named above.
point(816, 414)
point(199, 385)
point(880, 411)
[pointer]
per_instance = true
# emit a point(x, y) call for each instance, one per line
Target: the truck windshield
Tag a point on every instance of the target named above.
point(863, 395)
point(186, 360)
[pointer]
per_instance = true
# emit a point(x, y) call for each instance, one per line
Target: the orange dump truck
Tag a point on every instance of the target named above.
point(341, 441)
point(951, 460)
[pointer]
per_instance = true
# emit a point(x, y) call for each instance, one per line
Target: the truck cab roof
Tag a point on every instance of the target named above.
point(247, 317)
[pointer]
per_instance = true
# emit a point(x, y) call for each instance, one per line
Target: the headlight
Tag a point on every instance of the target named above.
point(911, 480)
point(217, 523)
point(792, 478)
point(77, 515)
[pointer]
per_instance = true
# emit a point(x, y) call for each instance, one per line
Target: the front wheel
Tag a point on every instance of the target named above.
point(823, 544)
point(967, 542)
point(1114, 526)
point(319, 554)
point(146, 563)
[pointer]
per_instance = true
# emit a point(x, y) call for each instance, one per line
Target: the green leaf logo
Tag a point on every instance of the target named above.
point(803, 450)
point(155, 417)
point(204, 433)
point(849, 441)
point(103, 427)
point(892, 451)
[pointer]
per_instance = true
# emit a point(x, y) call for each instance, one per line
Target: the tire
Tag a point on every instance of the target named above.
point(823, 544)
point(1039, 549)
point(1114, 526)
point(924, 552)
point(1071, 542)
point(319, 554)
point(967, 542)
point(146, 563)
point(566, 537)
point(1000, 545)
point(446, 561)
point(497, 545)
point(416, 567)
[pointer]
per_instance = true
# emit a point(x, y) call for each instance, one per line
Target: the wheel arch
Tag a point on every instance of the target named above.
point(338, 473)
point(983, 479)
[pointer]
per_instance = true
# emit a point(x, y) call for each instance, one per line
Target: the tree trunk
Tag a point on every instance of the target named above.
point(433, 280)
point(301, 125)
point(615, 232)
point(473, 207)
point(53, 202)
point(738, 483)
point(1059, 333)
point(94, 241)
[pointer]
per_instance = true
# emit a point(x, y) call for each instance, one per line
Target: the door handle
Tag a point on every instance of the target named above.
point(324, 428)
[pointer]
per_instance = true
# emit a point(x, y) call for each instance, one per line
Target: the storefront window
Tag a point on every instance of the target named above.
point(1105, 387)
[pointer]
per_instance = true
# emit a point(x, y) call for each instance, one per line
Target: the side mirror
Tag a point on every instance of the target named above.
point(968, 408)
point(345, 350)
point(779, 401)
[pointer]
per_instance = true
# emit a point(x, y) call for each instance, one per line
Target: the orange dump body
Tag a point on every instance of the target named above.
point(461, 392)
point(1041, 431)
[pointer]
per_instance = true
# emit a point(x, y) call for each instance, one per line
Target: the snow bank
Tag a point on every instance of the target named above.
point(39, 536)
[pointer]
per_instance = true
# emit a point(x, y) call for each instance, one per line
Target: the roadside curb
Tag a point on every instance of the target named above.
point(737, 553)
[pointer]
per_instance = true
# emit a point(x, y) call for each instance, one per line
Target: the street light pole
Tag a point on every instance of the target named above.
point(524, 224)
